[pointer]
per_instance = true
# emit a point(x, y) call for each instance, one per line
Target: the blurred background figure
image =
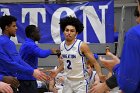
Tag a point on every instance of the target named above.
point(137, 15)
point(30, 52)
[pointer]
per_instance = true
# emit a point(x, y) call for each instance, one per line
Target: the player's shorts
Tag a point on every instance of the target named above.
point(75, 86)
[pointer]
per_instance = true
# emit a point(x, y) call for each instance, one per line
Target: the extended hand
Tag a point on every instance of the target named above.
point(102, 78)
point(11, 80)
point(40, 75)
point(55, 51)
point(5, 88)
point(53, 73)
point(99, 88)
point(110, 63)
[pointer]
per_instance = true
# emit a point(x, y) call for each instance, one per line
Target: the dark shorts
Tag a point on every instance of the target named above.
point(28, 86)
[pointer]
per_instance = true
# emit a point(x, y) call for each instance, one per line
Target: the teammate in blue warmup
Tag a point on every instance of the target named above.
point(11, 63)
point(30, 53)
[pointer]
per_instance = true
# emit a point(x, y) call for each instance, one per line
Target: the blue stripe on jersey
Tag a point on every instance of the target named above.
point(79, 49)
point(86, 86)
point(83, 62)
point(71, 46)
point(84, 69)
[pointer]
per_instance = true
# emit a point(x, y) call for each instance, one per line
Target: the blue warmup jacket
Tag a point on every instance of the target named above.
point(30, 53)
point(1, 77)
point(128, 71)
point(10, 61)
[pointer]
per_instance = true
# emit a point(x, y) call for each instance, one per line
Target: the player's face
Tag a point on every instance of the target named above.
point(70, 33)
point(138, 20)
point(11, 29)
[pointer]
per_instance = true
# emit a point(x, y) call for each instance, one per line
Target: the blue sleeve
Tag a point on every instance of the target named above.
point(127, 72)
point(14, 61)
point(116, 68)
point(40, 52)
point(1, 77)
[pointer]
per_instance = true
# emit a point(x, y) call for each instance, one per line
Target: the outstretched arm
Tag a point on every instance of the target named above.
point(53, 73)
point(105, 86)
point(110, 64)
point(86, 51)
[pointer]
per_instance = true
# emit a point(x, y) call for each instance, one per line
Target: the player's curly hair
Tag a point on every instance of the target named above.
point(69, 20)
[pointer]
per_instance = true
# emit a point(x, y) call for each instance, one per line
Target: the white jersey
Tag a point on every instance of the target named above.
point(74, 65)
point(91, 79)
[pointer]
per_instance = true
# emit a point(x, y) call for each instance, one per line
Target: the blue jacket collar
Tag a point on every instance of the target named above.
point(5, 36)
point(29, 40)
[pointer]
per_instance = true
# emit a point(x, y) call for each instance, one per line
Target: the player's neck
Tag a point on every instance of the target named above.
point(6, 33)
point(70, 42)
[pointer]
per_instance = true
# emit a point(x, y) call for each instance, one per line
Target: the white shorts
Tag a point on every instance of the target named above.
point(75, 86)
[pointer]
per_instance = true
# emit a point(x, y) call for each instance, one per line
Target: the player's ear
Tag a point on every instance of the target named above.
point(76, 34)
point(6, 27)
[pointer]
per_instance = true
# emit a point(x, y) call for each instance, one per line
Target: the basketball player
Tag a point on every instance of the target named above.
point(73, 51)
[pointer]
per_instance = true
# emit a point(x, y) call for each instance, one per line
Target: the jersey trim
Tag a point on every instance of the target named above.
point(71, 46)
point(79, 49)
